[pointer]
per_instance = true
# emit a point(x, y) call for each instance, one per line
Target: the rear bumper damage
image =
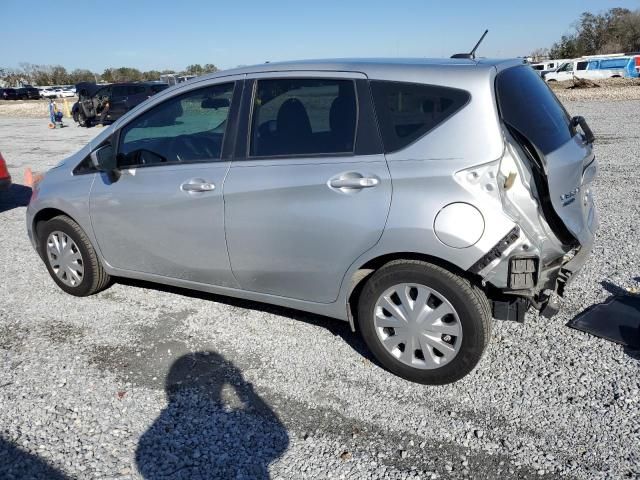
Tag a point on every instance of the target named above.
point(517, 277)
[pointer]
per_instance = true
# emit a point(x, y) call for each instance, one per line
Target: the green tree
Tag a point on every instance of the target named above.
point(195, 69)
point(121, 74)
point(616, 30)
point(82, 75)
point(151, 75)
point(59, 75)
point(210, 68)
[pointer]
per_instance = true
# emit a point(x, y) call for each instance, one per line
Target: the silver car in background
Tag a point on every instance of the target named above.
point(415, 199)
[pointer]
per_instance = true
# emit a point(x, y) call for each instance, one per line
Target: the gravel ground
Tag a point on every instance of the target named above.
point(609, 89)
point(145, 381)
point(32, 108)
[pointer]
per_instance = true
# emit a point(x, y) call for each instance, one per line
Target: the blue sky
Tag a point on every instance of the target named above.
point(172, 34)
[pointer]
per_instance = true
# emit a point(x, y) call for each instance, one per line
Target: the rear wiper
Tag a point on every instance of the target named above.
point(588, 136)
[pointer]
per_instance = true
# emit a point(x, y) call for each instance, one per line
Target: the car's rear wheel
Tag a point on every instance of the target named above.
point(70, 258)
point(423, 322)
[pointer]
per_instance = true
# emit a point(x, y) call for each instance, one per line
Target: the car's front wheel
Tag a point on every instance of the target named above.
point(70, 258)
point(423, 322)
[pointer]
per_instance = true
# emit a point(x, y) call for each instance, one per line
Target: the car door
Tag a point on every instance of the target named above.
point(581, 70)
point(309, 190)
point(118, 101)
point(565, 72)
point(162, 212)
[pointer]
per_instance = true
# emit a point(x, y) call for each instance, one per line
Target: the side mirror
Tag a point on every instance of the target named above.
point(104, 159)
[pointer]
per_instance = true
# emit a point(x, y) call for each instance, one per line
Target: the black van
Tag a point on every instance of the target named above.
point(117, 98)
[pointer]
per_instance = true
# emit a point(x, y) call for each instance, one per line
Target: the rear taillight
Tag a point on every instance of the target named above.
point(4, 172)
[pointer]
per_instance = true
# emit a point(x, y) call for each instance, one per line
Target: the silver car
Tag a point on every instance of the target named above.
point(414, 199)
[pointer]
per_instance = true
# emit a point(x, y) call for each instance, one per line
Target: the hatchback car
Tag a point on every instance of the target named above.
point(415, 199)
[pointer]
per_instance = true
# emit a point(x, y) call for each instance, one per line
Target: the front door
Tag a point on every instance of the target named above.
point(164, 214)
point(305, 201)
point(565, 72)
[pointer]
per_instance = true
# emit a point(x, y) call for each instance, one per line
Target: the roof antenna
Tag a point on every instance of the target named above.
point(472, 53)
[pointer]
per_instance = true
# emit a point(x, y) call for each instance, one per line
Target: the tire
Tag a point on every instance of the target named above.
point(467, 319)
point(93, 277)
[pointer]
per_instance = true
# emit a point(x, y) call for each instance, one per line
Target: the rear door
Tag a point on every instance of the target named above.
point(118, 101)
point(568, 163)
point(309, 189)
point(163, 213)
point(136, 94)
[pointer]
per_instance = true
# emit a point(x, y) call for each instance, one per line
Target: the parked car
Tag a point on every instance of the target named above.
point(63, 93)
point(274, 183)
point(28, 93)
point(47, 93)
point(582, 68)
point(117, 98)
point(5, 178)
point(547, 66)
point(9, 94)
point(627, 65)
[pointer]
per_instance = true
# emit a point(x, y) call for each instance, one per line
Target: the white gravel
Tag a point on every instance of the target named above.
point(144, 381)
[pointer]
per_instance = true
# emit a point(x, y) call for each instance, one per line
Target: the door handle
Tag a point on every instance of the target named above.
point(197, 185)
point(354, 182)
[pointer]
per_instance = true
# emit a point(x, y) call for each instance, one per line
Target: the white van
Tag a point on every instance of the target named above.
point(547, 65)
point(580, 68)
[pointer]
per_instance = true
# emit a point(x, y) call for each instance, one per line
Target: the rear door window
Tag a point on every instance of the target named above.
point(158, 88)
point(408, 111)
point(296, 116)
point(135, 89)
point(119, 91)
point(529, 106)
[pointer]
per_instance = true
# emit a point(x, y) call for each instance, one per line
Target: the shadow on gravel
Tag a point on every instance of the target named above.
point(16, 196)
point(336, 327)
point(18, 464)
point(214, 426)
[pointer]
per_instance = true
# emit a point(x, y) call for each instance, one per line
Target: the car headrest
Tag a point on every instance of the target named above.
point(292, 119)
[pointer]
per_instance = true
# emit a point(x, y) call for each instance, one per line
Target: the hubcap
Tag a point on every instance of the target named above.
point(418, 326)
point(65, 258)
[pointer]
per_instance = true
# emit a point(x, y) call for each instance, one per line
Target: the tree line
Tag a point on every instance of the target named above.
point(616, 30)
point(29, 74)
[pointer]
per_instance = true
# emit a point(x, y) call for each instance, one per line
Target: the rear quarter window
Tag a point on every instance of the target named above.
point(529, 106)
point(408, 111)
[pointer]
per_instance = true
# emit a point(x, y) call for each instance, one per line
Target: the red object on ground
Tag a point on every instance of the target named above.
point(30, 178)
point(5, 178)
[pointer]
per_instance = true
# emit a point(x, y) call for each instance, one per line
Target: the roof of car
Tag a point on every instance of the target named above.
point(370, 65)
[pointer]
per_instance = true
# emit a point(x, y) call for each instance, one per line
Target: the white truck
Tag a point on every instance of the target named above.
point(547, 66)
